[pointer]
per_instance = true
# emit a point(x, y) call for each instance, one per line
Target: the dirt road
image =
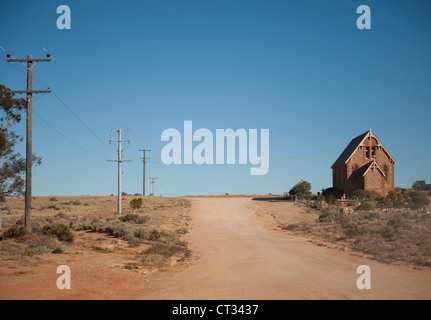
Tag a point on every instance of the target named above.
point(240, 254)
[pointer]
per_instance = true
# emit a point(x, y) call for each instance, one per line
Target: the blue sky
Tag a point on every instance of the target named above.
point(299, 68)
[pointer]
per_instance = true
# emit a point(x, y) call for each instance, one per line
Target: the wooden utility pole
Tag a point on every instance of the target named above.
point(153, 182)
point(119, 164)
point(29, 151)
point(144, 159)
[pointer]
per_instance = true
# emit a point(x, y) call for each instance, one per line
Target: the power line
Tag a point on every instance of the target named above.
point(65, 137)
point(23, 72)
point(86, 90)
point(30, 32)
point(135, 166)
point(11, 56)
point(64, 104)
point(12, 64)
point(80, 121)
point(38, 40)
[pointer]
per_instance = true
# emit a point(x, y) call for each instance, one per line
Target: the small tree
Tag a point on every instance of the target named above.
point(302, 188)
point(12, 165)
point(136, 203)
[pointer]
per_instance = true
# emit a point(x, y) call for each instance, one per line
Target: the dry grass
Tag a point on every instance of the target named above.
point(60, 222)
point(390, 237)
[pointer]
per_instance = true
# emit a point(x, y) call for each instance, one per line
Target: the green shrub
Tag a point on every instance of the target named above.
point(147, 234)
point(373, 195)
point(28, 253)
point(136, 203)
point(154, 235)
point(418, 199)
point(331, 199)
point(399, 221)
point(366, 205)
point(393, 196)
point(321, 198)
point(335, 217)
point(73, 202)
point(365, 194)
point(358, 194)
point(141, 233)
point(134, 218)
point(352, 230)
point(60, 231)
point(15, 232)
point(337, 193)
point(369, 215)
point(165, 249)
point(119, 232)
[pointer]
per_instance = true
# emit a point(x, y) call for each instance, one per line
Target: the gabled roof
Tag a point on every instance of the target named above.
point(372, 164)
point(353, 145)
point(345, 155)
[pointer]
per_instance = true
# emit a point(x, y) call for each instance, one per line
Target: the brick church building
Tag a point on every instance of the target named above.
point(365, 164)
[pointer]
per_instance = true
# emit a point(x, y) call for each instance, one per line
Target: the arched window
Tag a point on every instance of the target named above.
point(386, 171)
point(355, 171)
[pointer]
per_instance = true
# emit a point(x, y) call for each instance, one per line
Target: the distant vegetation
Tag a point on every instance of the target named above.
point(388, 237)
point(391, 228)
point(302, 188)
point(56, 227)
point(136, 203)
point(368, 199)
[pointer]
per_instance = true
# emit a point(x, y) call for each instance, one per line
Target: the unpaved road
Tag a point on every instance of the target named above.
point(239, 253)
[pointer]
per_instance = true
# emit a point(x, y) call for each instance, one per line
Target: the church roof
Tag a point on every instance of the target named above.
point(353, 145)
point(345, 155)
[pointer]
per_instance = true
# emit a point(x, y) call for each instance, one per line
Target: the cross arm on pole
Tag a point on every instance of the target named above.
point(33, 91)
point(26, 60)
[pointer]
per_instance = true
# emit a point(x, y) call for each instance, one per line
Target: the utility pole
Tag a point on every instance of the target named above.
point(29, 151)
point(153, 183)
point(144, 159)
point(161, 188)
point(119, 163)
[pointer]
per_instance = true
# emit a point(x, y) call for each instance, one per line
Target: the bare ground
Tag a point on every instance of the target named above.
point(103, 266)
point(239, 251)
